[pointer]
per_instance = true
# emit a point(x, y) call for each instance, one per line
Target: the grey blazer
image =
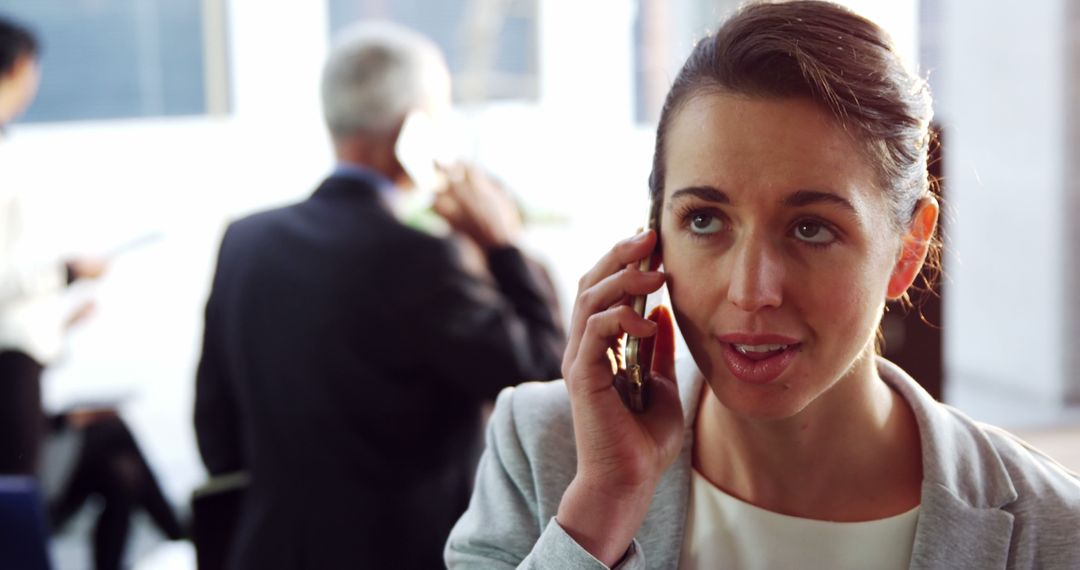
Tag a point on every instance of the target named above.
point(988, 499)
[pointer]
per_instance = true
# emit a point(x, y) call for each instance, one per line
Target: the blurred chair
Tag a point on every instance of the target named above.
point(215, 510)
point(24, 536)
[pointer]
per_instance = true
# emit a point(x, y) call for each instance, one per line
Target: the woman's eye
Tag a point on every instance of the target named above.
point(705, 224)
point(814, 232)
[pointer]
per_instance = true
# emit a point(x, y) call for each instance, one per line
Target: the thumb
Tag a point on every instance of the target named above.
point(658, 351)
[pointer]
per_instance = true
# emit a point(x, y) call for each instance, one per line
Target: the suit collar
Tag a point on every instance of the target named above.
point(337, 187)
point(363, 174)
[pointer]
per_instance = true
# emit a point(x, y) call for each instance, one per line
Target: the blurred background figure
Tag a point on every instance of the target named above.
point(19, 74)
point(31, 318)
point(107, 461)
point(346, 355)
point(110, 466)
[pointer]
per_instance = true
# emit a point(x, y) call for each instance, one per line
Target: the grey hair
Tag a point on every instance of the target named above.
point(376, 73)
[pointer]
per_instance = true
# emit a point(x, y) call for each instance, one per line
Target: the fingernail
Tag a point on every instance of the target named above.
point(640, 236)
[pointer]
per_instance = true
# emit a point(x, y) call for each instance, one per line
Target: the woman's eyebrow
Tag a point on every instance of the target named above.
point(808, 197)
point(796, 199)
point(707, 193)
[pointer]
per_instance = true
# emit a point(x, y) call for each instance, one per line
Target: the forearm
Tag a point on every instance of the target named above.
point(515, 278)
point(521, 287)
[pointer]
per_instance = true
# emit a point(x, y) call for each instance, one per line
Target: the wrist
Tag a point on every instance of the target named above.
point(492, 242)
point(603, 520)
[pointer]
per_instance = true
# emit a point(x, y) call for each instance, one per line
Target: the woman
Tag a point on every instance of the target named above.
point(790, 171)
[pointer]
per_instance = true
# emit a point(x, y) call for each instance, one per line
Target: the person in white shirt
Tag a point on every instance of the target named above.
point(31, 322)
point(792, 202)
point(108, 463)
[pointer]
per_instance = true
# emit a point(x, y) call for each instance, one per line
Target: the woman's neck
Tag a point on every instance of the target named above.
point(851, 455)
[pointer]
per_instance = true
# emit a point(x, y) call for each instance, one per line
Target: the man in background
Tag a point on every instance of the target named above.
point(346, 356)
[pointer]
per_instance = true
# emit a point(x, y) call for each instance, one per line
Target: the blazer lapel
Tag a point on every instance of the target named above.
point(962, 520)
point(953, 534)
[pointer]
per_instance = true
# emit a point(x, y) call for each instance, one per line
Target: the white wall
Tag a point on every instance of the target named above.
point(1007, 313)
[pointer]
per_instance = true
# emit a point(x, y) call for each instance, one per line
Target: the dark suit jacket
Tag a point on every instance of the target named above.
point(345, 361)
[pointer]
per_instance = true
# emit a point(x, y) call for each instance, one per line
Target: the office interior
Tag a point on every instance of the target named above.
point(158, 122)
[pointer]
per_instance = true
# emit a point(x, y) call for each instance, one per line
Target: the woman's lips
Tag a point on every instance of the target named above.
point(758, 359)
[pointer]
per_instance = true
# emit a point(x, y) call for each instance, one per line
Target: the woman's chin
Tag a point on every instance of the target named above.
point(775, 401)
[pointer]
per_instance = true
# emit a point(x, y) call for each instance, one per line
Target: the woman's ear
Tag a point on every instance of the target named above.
point(916, 243)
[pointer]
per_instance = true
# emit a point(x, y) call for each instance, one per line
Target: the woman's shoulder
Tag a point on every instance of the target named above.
point(1037, 477)
point(981, 463)
point(531, 441)
point(535, 418)
point(1038, 488)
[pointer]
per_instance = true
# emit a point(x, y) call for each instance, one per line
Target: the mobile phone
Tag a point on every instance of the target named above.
point(637, 372)
point(419, 145)
point(422, 144)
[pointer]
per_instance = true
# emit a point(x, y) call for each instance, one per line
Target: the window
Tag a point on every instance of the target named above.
point(490, 45)
point(111, 59)
point(665, 32)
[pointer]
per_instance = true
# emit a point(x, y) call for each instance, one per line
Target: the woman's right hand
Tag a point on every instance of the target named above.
point(620, 455)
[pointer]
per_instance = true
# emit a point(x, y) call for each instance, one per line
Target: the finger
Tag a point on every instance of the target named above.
point(442, 204)
point(616, 348)
point(613, 290)
point(447, 206)
point(658, 351)
point(618, 288)
point(591, 371)
point(456, 184)
point(454, 178)
point(623, 252)
point(626, 252)
point(443, 167)
point(474, 181)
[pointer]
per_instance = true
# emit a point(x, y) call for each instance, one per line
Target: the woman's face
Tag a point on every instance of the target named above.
point(778, 247)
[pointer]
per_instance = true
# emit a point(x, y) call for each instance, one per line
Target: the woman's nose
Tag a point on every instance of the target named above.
point(757, 276)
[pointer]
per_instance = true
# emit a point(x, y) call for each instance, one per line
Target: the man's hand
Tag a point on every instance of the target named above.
point(87, 268)
point(81, 313)
point(83, 417)
point(475, 205)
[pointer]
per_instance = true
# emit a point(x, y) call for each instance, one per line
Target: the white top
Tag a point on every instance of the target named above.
point(31, 314)
point(725, 532)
